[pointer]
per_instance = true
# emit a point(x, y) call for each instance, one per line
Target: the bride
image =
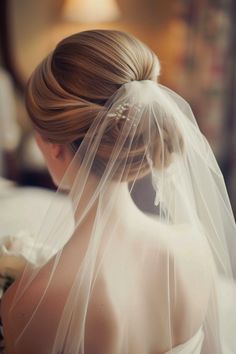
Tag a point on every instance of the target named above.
point(118, 280)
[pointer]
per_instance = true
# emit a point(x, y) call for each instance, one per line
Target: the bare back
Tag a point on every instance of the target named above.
point(147, 266)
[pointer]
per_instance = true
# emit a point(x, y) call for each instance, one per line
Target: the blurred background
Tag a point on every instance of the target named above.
point(195, 41)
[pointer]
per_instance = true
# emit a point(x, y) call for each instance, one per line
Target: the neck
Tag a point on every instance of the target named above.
point(96, 200)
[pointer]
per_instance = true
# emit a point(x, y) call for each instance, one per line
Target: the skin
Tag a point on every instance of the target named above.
point(57, 157)
point(103, 323)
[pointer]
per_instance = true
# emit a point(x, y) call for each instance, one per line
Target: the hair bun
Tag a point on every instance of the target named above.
point(71, 86)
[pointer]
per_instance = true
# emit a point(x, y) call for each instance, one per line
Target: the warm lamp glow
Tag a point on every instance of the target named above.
point(87, 11)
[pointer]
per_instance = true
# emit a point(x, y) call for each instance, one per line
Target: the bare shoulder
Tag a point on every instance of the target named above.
point(18, 309)
point(185, 251)
point(178, 269)
point(39, 336)
point(179, 241)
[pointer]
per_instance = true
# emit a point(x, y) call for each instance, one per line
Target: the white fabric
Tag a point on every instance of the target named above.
point(23, 209)
point(128, 283)
point(192, 346)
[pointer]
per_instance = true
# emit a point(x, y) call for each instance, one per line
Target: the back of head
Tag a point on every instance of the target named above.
point(72, 85)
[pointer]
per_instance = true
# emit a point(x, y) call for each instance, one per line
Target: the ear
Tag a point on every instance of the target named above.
point(59, 152)
point(56, 151)
point(53, 151)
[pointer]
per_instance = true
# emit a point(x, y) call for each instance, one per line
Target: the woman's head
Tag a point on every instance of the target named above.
point(71, 86)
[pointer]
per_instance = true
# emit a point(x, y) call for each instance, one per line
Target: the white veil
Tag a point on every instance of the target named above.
point(117, 280)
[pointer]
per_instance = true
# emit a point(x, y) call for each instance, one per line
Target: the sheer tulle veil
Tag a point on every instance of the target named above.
point(189, 247)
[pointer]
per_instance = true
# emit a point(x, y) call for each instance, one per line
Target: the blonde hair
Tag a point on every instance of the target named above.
point(70, 87)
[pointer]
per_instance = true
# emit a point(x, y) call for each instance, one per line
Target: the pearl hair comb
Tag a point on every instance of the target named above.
point(119, 113)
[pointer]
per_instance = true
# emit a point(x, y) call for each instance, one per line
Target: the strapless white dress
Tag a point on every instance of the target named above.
point(227, 314)
point(192, 346)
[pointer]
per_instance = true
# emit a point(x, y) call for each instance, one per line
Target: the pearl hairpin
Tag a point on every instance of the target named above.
point(121, 108)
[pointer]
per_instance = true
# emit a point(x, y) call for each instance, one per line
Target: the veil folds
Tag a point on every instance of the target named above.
point(113, 279)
